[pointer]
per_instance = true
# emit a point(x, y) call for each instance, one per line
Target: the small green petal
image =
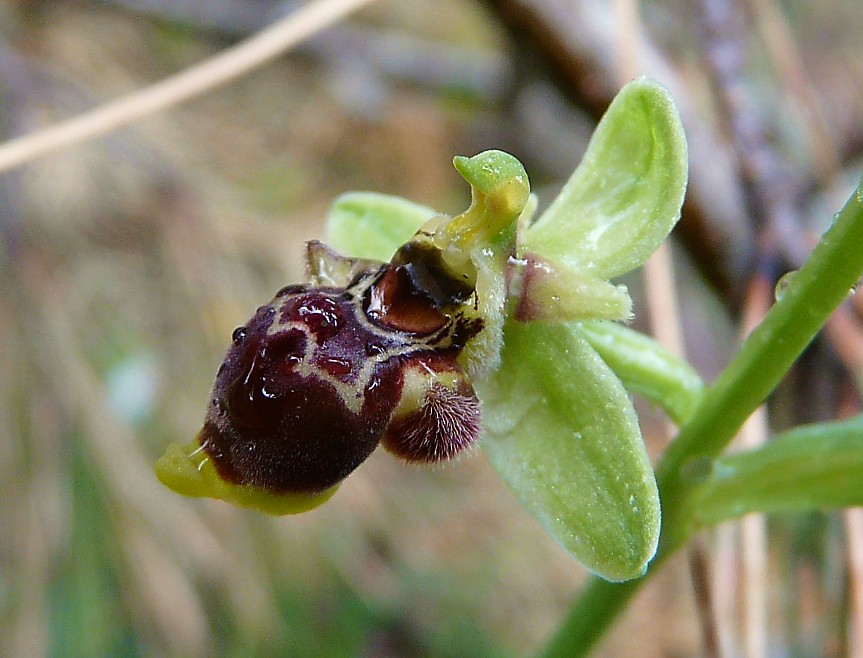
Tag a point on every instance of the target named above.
point(550, 292)
point(646, 367)
point(561, 430)
point(188, 471)
point(326, 267)
point(625, 196)
point(500, 192)
point(372, 225)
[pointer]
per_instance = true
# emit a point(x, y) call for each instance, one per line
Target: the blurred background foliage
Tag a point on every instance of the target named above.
point(127, 261)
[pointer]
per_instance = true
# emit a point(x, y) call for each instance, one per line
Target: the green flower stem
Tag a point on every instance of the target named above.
point(819, 287)
point(595, 609)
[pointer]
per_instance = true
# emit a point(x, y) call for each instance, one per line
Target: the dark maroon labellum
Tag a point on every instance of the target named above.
point(319, 376)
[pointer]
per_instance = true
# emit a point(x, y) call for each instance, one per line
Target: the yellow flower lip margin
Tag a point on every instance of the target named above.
point(187, 470)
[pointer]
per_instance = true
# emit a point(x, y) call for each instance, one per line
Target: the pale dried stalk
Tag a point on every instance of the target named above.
point(753, 543)
point(627, 39)
point(664, 312)
point(845, 333)
point(788, 62)
point(724, 568)
point(194, 81)
point(853, 521)
point(753, 528)
point(662, 300)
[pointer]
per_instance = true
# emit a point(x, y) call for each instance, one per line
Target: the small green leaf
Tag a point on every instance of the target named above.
point(647, 368)
point(373, 225)
point(816, 467)
point(561, 430)
point(625, 196)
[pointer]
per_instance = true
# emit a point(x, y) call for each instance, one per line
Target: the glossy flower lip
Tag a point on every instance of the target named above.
point(305, 390)
point(314, 382)
point(364, 353)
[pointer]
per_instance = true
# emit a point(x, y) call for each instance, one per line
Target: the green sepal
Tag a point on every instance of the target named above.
point(646, 368)
point(188, 471)
point(625, 196)
point(562, 432)
point(816, 467)
point(373, 225)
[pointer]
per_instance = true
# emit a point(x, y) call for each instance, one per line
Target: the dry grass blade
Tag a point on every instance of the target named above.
point(183, 538)
point(853, 520)
point(753, 528)
point(218, 70)
point(788, 62)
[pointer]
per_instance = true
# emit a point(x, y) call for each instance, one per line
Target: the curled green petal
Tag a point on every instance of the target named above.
point(188, 471)
point(625, 196)
point(647, 368)
point(372, 225)
point(817, 467)
point(561, 430)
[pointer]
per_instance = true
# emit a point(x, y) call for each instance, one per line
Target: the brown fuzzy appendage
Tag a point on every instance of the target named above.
point(447, 423)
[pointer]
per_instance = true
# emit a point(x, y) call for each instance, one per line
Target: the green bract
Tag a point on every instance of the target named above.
point(646, 368)
point(816, 467)
point(558, 424)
